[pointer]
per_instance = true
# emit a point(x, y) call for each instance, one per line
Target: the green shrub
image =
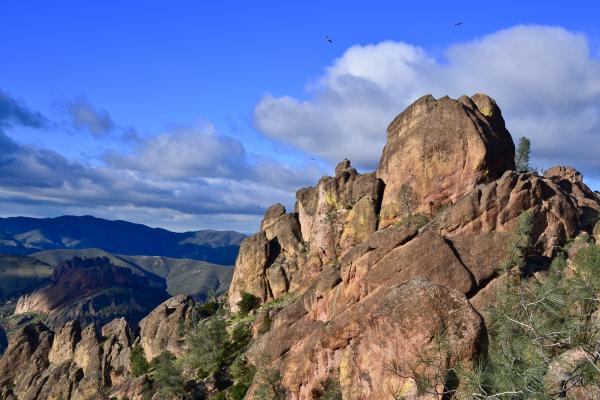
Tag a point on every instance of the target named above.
point(206, 346)
point(331, 389)
point(248, 303)
point(166, 374)
point(139, 365)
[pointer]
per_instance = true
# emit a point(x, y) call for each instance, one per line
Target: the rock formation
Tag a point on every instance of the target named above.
point(360, 289)
point(92, 290)
point(442, 149)
point(367, 287)
point(71, 363)
point(162, 329)
point(75, 363)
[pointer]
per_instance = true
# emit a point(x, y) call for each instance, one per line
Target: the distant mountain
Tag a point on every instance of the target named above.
point(93, 290)
point(24, 236)
point(20, 275)
point(180, 275)
point(92, 285)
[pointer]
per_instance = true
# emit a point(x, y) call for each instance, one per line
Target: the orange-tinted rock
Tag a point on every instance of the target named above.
point(442, 149)
point(323, 210)
point(495, 207)
point(358, 343)
point(159, 330)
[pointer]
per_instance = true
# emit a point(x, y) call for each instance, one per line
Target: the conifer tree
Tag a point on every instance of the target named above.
point(522, 155)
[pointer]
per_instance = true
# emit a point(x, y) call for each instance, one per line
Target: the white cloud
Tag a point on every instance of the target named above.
point(186, 152)
point(544, 79)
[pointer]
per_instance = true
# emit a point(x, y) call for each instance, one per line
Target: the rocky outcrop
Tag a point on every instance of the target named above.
point(78, 364)
point(359, 345)
point(325, 211)
point(495, 207)
point(291, 248)
point(442, 149)
point(163, 329)
point(92, 290)
point(367, 286)
point(365, 291)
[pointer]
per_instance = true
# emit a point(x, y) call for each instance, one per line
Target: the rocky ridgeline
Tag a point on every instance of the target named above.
point(93, 290)
point(87, 363)
point(368, 289)
point(357, 288)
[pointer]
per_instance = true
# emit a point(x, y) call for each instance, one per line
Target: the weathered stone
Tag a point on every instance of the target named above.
point(271, 215)
point(496, 206)
point(386, 327)
point(116, 351)
point(481, 253)
point(162, 329)
point(65, 340)
point(360, 223)
point(442, 149)
point(286, 230)
point(278, 282)
point(428, 256)
point(249, 273)
point(562, 172)
point(323, 210)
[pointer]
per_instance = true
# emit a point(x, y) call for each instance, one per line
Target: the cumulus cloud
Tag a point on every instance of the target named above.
point(544, 79)
point(160, 183)
point(84, 116)
point(13, 112)
point(186, 152)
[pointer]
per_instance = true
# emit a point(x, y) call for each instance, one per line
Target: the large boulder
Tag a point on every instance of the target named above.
point(116, 351)
point(358, 345)
point(164, 328)
point(250, 267)
point(442, 149)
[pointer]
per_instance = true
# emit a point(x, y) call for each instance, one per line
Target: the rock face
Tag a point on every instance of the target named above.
point(367, 288)
point(92, 290)
point(560, 210)
point(291, 249)
point(365, 292)
point(70, 364)
point(442, 149)
point(360, 342)
point(76, 363)
point(162, 329)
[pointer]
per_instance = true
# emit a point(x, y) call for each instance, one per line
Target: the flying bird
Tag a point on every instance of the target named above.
point(330, 40)
point(458, 24)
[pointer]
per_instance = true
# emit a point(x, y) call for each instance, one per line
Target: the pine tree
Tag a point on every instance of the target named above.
point(206, 346)
point(522, 155)
point(408, 202)
point(166, 374)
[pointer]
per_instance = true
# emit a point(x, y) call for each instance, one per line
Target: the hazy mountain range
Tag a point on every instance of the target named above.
point(24, 236)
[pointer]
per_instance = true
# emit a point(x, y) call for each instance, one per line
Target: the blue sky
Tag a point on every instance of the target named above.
point(193, 115)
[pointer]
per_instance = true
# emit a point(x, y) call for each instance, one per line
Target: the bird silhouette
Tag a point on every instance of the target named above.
point(329, 39)
point(458, 24)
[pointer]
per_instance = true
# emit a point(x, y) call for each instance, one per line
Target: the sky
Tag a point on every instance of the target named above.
point(194, 115)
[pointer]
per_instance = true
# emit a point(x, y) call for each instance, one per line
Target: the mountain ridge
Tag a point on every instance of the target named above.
point(26, 235)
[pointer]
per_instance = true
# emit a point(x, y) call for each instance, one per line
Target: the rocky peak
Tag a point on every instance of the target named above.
point(443, 148)
point(561, 172)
